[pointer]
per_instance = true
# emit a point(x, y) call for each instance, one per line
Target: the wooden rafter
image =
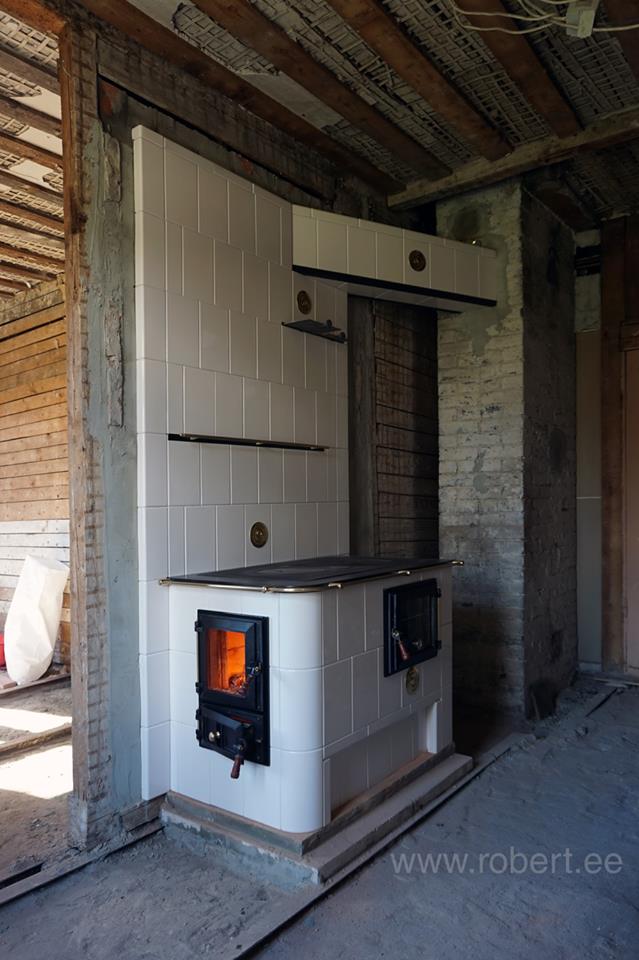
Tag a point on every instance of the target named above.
point(522, 65)
point(14, 285)
point(31, 257)
point(621, 13)
point(617, 128)
point(35, 14)
point(12, 231)
point(24, 68)
point(164, 43)
point(386, 37)
point(32, 216)
point(29, 151)
point(29, 189)
point(245, 22)
point(30, 117)
point(19, 272)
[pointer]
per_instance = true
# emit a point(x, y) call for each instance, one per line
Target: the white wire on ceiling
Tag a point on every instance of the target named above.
point(540, 18)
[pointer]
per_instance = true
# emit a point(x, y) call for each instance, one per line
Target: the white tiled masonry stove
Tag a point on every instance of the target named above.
point(315, 677)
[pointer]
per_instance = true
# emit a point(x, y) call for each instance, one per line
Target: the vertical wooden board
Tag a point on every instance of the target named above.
point(631, 486)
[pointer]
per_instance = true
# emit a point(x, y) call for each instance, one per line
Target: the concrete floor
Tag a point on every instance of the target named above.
point(575, 787)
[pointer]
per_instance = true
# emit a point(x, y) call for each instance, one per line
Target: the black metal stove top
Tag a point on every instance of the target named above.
point(312, 574)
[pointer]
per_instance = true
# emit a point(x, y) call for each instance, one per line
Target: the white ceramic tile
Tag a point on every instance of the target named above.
point(271, 476)
point(350, 617)
point(326, 419)
point(342, 369)
point(300, 696)
point(154, 689)
point(374, 610)
point(293, 357)
point(149, 251)
point(466, 272)
point(229, 419)
point(390, 689)
point(216, 474)
point(255, 286)
point(243, 344)
point(174, 262)
point(315, 363)
point(307, 286)
point(342, 474)
point(317, 480)
point(281, 412)
point(302, 806)
point(325, 303)
point(269, 351)
point(214, 338)
point(280, 287)
point(305, 530)
point(300, 616)
point(282, 532)
point(226, 793)
point(262, 791)
point(156, 764)
point(338, 706)
point(150, 323)
point(183, 676)
point(403, 742)
point(152, 470)
point(230, 537)
point(268, 228)
point(294, 476)
point(365, 692)
point(152, 542)
point(213, 204)
point(241, 217)
point(177, 548)
point(199, 529)
point(341, 309)
point(304, 241)
point(144, 133)
point(287, 235)
point(331, 473)
point(379, 754)
point(181, 190)
point(199, 401)
point(390, 257)
point(183, 330)
point(305, 416)
point(361, 252)
point(343, 527)
point(257, 513)
point(148, 178)
point(327, 529)
point(175, 397)
point(184, 473)
point(329, 626)
point(198, 266)
point(417, 242)
point(190, 764)
point(243, 475)
point(228, 276)
point(349, 774)
point(342, 422)
point(154, 617)
point(332, 349)
point(442, 267)
point(256, 409)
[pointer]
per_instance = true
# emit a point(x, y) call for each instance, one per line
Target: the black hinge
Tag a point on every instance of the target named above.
point(197, 626)
point(198, 686)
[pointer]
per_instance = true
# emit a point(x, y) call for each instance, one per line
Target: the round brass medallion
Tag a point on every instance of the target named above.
point(304, 302)
point(417, 260)
point(259, 534)
point(412, 680)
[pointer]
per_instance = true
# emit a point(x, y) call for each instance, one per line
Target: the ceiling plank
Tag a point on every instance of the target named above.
point(621, 13)
point(29, 151)
point(12, 231)
point(37, 259)
point(389, 40)
point(35, 14)
point(522, 65)
point(32, 216)
point(617, 128)
point(11, 284)
point(251, 27)
point(20, 66)
point(20, 272)
point(29, 189)
point(30, 117)
point(165, 43)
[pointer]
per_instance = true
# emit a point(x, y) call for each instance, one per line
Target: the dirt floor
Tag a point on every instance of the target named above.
point(571, 790)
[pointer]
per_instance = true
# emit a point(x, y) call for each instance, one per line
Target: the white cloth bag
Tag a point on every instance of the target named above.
point(33, 621)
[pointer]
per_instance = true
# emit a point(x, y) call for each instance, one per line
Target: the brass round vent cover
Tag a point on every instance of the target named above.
point(259, 534)
point(412, 680)
point(304, 302)
point(417, 260)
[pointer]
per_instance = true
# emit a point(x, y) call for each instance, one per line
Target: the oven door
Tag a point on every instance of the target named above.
point(232, 660)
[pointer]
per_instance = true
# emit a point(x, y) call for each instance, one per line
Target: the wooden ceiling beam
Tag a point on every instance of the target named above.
point(12, 231)
point(617, 128)
point(621, 13)
point(29, 189)
point(11, 284)
point(20, 66)
point(30, 117)
point(37, 259)
point(389, 40)
point(522, 65)
point(19, 272)
point(35, 14)
point(247, 24)
point(32, 216)
point(29, 151)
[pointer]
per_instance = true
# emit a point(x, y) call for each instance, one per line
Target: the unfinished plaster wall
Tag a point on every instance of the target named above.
point(507, 464)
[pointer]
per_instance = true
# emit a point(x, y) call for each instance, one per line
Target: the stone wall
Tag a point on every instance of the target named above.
point(499, 404)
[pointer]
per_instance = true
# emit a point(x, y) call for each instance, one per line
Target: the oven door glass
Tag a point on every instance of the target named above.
point(232, 662)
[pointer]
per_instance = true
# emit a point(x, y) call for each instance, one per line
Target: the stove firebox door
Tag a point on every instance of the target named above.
point(411, 614)
point(233, 669)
